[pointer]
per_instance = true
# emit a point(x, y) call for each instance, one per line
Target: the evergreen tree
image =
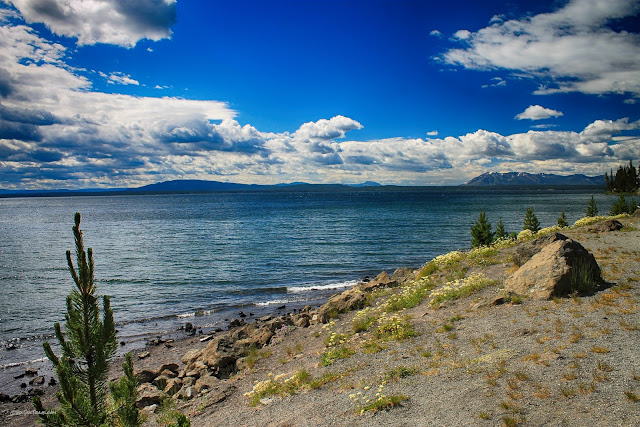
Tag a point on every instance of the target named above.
point(87, 346)
point(633, 206)
point(481, 234)
point(500, 232)
point(562, 220)
point(620, 206)
point(531, 221)
point(592, 209)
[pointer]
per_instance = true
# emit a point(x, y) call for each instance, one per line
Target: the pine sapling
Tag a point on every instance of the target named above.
point(592, 209)
point(531, 221)
point(87, 346)
point(500, 232)
point(481, 234)
point(562, 220)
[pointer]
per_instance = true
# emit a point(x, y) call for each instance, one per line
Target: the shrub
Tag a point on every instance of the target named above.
point(396, 328)
point(380, 402)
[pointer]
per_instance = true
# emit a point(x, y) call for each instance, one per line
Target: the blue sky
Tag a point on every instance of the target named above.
point(100, 93)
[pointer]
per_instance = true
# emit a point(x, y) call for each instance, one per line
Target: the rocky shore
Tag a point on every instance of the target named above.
point(497, 336)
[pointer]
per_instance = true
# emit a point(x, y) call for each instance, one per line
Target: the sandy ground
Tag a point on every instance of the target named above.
point(566, 362)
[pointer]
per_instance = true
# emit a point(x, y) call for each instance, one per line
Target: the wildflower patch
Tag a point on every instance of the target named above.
point(459, 288)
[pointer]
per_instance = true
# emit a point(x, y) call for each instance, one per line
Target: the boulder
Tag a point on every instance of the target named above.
point(348, 300)
point(145, 376)
point(173, 367)
point(173, 386)
point(382, 280)
point(301, 320)
point(606, 226)
point(4, 397)
point(160, 381)
point(402, 275)
point(191, 356)
point(524, 251)
point(557, 270)
point(196, 369)
point(148, 395)
point(206, 382)
point(168, 374)
point(220, 356)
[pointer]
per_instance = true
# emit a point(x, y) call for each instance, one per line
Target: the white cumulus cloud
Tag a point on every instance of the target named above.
point(538, 112)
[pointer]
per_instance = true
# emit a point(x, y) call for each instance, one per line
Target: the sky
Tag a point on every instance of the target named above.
point(120, 93)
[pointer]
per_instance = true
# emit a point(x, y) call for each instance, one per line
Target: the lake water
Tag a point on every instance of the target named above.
point(168, 259)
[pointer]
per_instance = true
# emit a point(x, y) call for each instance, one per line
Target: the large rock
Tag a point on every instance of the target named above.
point(524, 251)
point(146, 375)
point(348, 300)
point(402, 275)
point(220, 356)
point(605, 226)
point(557, 270)
point(207, 382)
point(191, 356)
point(173, 386)
point(148, 395)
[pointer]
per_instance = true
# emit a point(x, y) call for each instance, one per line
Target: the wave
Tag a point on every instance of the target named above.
point(27, 362)
point(272, 302)
point(196, 313)
point(339, 285)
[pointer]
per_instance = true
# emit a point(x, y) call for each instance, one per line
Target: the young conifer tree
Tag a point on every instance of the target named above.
point(592, 209)
point(531, 221)
point(500, 232)
point(481, 234)
point(620, 206)
point(87, 346)
point(562, 220)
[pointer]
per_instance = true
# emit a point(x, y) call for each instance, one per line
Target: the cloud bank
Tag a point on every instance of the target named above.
point(574, 49)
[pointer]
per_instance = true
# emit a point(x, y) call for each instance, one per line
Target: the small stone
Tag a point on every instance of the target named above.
point(122, 343)
point(31, 372)
point(52, 381)
point(23, 385)
point(143, 355)
point(186, 393)
point(4, 397)
point(39, 380)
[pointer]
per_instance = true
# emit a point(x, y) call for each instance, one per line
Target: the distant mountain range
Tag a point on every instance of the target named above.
point(524, 179)
point(191, 186)
point(489, 179)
